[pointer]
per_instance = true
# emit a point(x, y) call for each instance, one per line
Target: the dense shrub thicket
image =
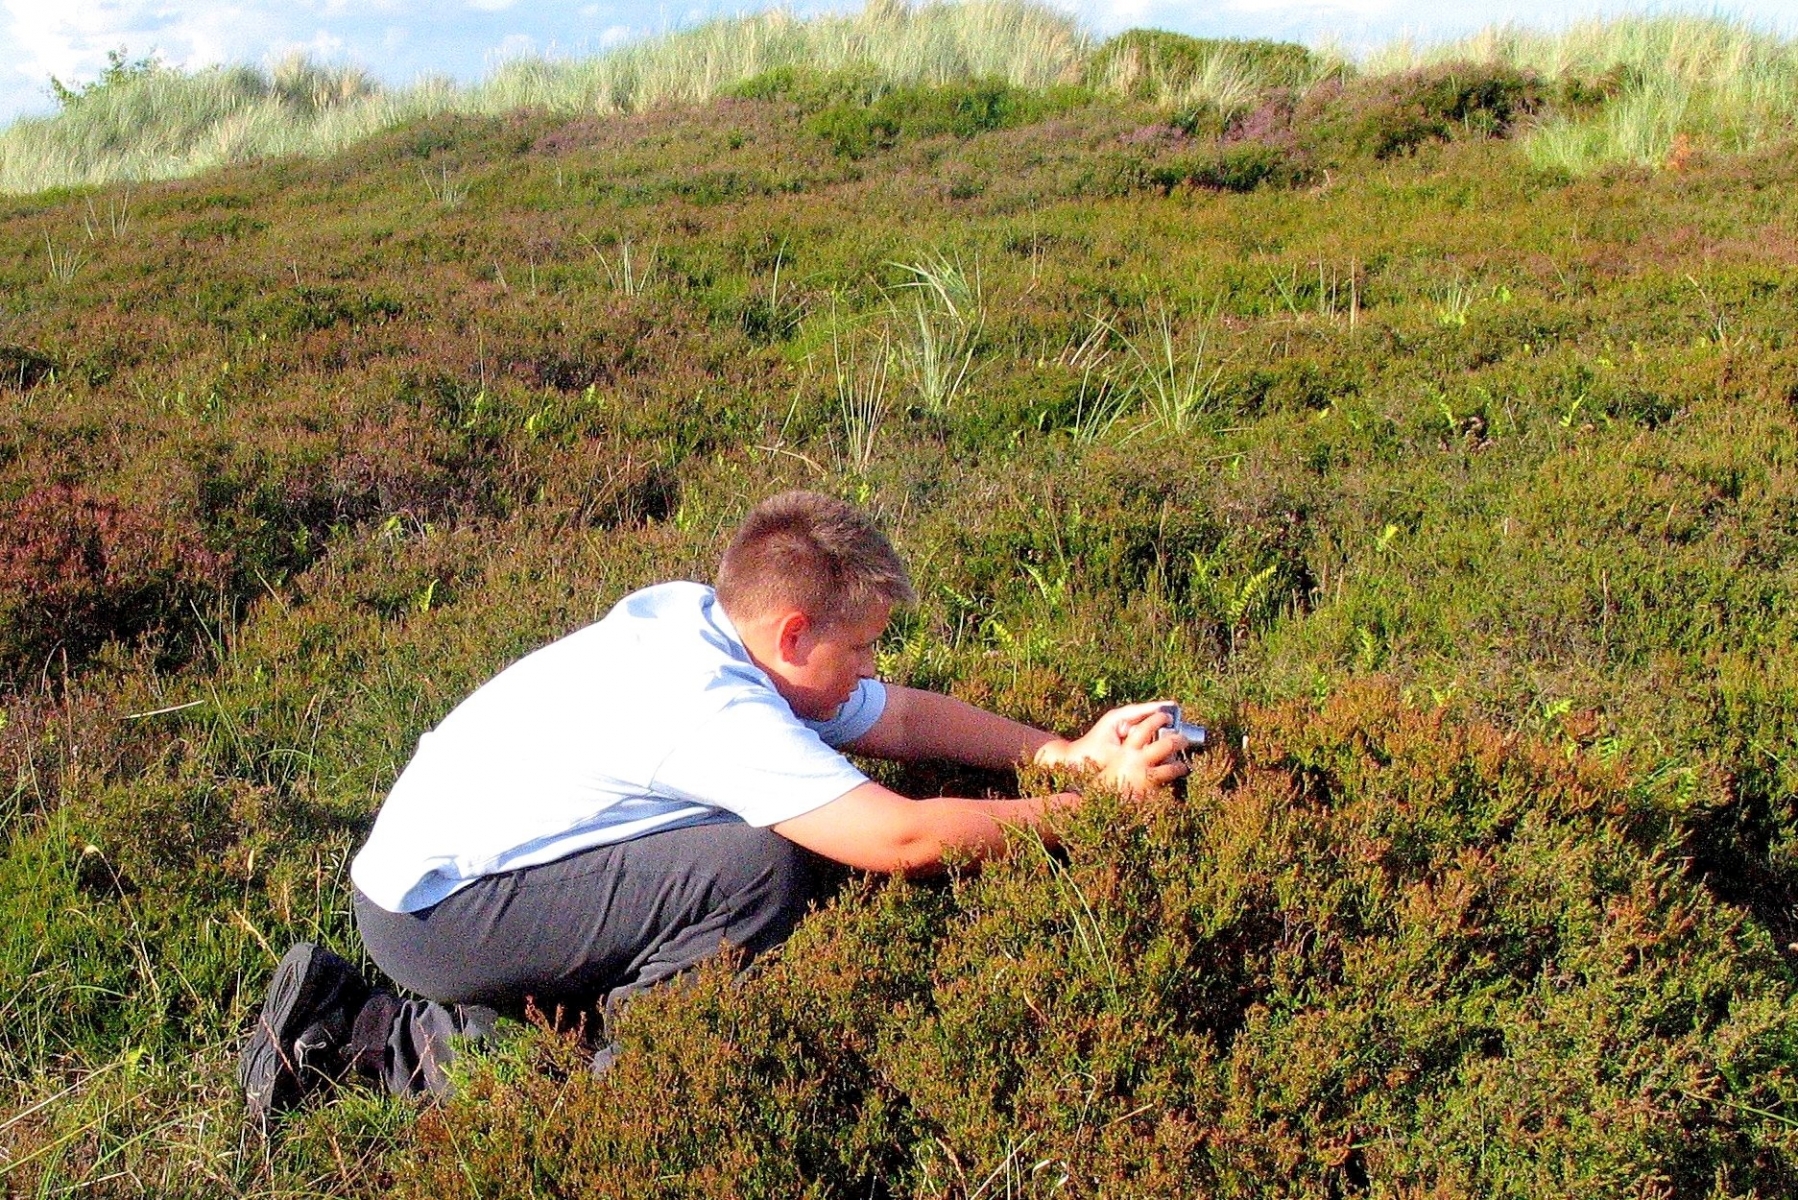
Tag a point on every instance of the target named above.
point(1457, 495)
point(1376, 945)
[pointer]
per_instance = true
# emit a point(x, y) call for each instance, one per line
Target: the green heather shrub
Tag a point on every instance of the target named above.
point(813, 89)
point(959, 109)
point(22, 367)
point(1360, 956)
point(1239, 167)
point(1395, 114)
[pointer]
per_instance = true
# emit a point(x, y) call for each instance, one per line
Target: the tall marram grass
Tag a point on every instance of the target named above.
point(1655, 83)
point(161, 123)
point(1024, 44)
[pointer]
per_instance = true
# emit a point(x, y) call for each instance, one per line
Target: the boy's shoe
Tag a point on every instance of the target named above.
point(303, 1029)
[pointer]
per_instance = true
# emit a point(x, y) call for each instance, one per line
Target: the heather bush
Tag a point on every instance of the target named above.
point(77, 569)
point(1353, 957)
point(1240, 167)
point(22, 367)
point(960, 110)
point(1395, 114)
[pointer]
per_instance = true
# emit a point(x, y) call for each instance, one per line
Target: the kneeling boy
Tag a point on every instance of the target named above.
point(618, 806)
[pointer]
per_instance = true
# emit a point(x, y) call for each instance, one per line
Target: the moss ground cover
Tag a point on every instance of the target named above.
point(1456, 494)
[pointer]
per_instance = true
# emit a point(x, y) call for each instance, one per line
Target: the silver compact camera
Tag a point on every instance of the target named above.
point(1194, 734)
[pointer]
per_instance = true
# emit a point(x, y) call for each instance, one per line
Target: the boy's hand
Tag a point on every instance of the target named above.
point(1125, 748)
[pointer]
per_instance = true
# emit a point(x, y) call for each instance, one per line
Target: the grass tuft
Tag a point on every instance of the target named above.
point(1724, 84)
point(941, 318)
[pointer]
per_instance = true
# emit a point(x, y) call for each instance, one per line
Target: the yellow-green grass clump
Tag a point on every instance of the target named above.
point(1646, 91)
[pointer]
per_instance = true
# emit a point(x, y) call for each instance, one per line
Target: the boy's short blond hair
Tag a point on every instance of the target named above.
point(812, 552)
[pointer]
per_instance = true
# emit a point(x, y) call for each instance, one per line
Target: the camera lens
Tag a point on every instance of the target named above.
point(1194, 734)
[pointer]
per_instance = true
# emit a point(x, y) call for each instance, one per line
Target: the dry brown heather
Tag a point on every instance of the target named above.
point(1460, 498)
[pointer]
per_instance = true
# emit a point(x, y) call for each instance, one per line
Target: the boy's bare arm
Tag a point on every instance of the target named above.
point(928, 725)
point(875, 829)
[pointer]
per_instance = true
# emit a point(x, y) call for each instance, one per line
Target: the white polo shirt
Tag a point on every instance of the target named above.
point(651, 718)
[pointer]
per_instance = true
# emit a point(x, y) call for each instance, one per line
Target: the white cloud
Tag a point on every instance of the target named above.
point(514, 45)
point(73, 38)
point(491, 5)
point(70, 39)
point(1315, 8)
point(323, 45)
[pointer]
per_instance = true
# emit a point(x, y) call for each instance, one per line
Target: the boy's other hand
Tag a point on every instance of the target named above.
point(1126, 748)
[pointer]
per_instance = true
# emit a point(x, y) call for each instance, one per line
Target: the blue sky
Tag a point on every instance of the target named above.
point(400, 39)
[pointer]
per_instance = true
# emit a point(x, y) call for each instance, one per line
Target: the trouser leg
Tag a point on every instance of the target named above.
point(596, 927)
point(681, 899)
point(408, 1045)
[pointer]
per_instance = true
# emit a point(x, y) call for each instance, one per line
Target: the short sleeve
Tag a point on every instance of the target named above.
point(754, 759)
point(857, 715)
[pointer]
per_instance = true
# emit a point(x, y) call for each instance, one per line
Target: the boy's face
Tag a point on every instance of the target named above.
point(821, 665)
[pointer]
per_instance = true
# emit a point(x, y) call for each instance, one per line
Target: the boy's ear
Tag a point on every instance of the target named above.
point(789, 632)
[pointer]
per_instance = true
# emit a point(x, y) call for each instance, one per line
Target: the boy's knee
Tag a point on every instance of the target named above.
point(779, 883)
point(782, 868)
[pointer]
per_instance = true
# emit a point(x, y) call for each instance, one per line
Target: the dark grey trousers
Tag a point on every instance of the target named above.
point(584, 932)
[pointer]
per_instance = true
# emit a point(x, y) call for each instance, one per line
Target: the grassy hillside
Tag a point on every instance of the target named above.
point(1456, 492)
point(1635, 90)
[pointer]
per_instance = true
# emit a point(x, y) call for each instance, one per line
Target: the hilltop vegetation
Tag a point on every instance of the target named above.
point(1631, 90)
point(1456, 491)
